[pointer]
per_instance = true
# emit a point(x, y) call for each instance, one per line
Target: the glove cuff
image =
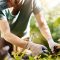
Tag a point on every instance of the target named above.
point(30, 44)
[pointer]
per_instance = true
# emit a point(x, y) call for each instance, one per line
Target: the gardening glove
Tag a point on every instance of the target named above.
point(36, 48)
point(55, 47)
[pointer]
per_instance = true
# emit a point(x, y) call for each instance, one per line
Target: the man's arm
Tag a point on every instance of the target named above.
point(43, 26)
point(10, 37)
point(37, 10)
point(15, 40)
point(46, 32)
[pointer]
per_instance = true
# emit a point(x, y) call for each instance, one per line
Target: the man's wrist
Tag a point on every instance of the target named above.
point(29, 45)
point(50, 41)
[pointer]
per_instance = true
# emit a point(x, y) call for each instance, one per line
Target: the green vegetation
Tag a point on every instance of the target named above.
point(40, 57)
point(54, 25)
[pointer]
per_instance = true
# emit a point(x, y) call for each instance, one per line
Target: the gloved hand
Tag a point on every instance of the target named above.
point(55, 47)
point(36, 48)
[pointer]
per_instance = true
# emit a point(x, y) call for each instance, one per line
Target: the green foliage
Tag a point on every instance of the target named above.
point(54, 26)
point(40, 57)
point(31, 58)
point(57, 22)
point(33, 25)
point(16, 56)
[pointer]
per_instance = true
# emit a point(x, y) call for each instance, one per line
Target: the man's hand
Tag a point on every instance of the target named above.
point(55, 47)
point(36, 48)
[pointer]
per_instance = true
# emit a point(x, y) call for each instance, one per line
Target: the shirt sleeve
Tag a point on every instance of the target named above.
point(3, 4)
point(36, 6)
point(7, 15)
point(2, 16)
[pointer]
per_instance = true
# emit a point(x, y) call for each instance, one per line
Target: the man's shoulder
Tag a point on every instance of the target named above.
point(3, 4)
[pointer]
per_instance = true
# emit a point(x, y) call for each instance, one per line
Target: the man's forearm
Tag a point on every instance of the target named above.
point(10, 37)
point(15, 40)
point(43, 26)
point(46, 32)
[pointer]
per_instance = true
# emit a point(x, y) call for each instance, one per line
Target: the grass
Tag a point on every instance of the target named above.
point(40, 57)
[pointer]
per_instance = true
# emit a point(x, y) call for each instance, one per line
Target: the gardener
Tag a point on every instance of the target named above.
point(11, 31)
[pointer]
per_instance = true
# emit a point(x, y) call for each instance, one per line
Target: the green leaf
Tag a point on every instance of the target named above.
point(57, 22)
point(31, 58)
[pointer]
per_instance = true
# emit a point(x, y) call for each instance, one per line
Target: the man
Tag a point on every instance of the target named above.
point(12, 33)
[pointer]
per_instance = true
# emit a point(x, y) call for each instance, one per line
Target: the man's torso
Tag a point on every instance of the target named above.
point(21, 22)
